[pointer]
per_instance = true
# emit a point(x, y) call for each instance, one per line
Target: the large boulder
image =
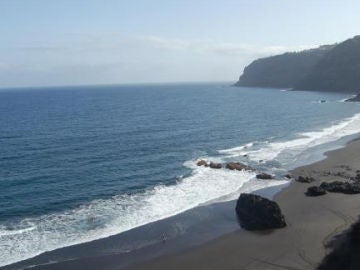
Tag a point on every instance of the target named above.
point(315, 191)
point(238, 166)
point(214, 165)
point(341, 187)
point(258, 213)
point(305, 179)
point(264, 176)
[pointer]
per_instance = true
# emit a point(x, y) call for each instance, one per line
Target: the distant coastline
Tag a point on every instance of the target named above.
point(330, 68)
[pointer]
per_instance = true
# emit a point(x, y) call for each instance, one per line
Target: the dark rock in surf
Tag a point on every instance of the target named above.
point(354, 99)
point(288, 176)
point(264, 176)
point(214, 165)
point(202, 163)
point(258, 213)
point(238, 166)
point(315, 191)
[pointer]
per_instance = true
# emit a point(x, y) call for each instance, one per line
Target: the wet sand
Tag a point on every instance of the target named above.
point(312, 224)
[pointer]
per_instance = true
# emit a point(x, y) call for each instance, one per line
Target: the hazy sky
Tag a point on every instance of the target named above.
point(68, 42)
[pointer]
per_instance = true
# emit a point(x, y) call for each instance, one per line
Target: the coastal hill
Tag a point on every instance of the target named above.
point(327, 68)
point(281, 71)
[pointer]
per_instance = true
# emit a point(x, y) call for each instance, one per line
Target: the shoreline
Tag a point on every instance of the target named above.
point(313, 222)
point(201, 224)
point(229, 240)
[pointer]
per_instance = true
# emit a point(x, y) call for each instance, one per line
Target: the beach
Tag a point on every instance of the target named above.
point(312, 225)
point(313, 222)
point(88, 190)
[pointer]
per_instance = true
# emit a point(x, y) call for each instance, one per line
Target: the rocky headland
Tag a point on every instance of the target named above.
point(331, 68)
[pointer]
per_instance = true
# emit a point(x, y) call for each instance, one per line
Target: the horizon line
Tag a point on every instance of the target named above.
point(112, 84)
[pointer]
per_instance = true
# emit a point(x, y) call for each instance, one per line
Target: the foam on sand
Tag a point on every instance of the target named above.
point(102, 218)
point(271, 150)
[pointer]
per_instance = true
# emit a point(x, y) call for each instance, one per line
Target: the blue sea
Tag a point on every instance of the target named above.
point(82, 163)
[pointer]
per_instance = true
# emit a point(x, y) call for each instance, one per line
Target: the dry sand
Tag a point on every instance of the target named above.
point(312, 223)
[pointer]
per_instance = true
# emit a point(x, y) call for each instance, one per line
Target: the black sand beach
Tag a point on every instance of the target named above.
point(313, 222)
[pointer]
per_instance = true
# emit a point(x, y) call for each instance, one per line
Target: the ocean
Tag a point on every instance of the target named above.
point(83, 163)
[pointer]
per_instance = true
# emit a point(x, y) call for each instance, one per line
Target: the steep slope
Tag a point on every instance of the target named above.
point(338, 70)
point(281, 71)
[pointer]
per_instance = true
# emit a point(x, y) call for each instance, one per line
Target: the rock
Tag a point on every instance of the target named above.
point(341, 187)
point(202, 163)
point(288, 176)
point(305, 179)
point(354, 99)
point(258, 213)
point(344, 253)
point(238, 166)
point(214, 165)
point(356, 178)
point(345, 167)
point(264, 176)
point(315, 191)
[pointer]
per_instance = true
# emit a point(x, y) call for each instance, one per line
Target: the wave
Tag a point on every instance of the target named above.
point(11, 231)
point(265, 151)
point(106, 217)
point(238, 149)
point(103, 218)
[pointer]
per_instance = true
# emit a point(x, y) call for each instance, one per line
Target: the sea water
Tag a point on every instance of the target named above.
point(83, 163)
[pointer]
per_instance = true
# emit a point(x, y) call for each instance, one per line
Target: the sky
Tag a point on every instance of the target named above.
point(85, 42)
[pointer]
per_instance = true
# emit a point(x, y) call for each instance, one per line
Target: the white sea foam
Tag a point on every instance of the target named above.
point(271, 150)
point(7, 232)
point(102, 218)
point(238, 149)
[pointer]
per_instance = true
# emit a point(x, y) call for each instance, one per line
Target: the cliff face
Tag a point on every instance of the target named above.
point(281, 71)
point(338, 70)
point(327, 68)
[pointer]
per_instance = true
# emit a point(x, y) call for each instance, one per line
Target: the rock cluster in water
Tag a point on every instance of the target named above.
point(231, 165)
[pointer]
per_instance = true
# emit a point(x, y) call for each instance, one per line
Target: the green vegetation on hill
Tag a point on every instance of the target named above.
point(281, 71)
point(338, 70)
point(327, 68)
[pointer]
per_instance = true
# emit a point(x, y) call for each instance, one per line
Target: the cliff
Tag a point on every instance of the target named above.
point(281, 71)
point(327, 68)
point(338, 70)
